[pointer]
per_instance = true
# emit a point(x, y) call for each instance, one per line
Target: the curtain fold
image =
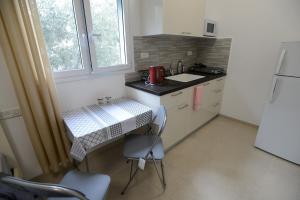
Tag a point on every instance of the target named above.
point(25, 53)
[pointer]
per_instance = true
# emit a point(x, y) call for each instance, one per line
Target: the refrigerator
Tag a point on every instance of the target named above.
point(279, 131)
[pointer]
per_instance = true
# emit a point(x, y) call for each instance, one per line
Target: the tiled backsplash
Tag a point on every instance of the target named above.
point(214, 52)
point(165, 50)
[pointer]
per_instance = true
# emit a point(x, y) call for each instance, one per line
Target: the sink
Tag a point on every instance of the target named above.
point(184, 77)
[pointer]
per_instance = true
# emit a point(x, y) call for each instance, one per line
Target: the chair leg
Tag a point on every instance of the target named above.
point(163, 173)
point(130, 178)
point(87, 164)
point(160, 178)
point(131, 166)
point(75, 164)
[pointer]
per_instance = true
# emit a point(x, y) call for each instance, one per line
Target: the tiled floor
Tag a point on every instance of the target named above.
point(217, 162)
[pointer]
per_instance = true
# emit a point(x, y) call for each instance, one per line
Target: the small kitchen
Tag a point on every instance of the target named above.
point(177, 95)
point(160, 99)
point(176, 60)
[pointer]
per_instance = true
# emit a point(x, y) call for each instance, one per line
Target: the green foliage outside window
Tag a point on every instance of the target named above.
point(60, 31)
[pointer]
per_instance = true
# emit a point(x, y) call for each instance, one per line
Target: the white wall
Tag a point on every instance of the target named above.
point(257, 28)
point(6, 149)
point(8, 97)
point(86, 91)
point(14, 128)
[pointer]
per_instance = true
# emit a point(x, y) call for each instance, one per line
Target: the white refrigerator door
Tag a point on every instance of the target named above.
point(279, 131)
point(288, 63)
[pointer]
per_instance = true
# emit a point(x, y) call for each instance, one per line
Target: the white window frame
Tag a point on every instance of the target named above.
point(84, 29)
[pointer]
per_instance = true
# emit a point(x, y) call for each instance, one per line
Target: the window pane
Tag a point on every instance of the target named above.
point(108, 32)
point(59, 27)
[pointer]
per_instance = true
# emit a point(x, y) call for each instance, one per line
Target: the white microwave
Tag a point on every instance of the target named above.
point(210, 28)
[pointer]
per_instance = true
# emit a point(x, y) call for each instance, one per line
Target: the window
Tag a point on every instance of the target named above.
point(84, 35)
point(59, 27)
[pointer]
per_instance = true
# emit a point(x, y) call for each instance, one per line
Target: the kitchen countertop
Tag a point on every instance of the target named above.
point(169, 86)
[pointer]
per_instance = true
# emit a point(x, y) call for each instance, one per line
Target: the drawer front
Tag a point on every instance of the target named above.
point(215, 107)
point(217, 95)
point(208, 95)
point(216, 91)
point(213, 92)
point(219, 83)
point(177, 98)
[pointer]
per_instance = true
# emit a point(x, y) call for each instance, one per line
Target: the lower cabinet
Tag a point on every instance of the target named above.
point(176, 127)
point(182, 119)
point(210, 104)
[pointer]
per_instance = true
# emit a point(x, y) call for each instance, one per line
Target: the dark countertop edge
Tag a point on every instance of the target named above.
point(180, 86)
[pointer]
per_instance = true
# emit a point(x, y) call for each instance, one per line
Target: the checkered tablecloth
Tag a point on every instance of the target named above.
point(89, 126)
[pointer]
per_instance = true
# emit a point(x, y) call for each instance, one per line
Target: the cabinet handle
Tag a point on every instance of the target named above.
point(218, 91)
point(278, 69)
point(205, 84)
point(215, 105)
point(275, 82)
point(186, 33)
point(182, 107)
point(178, 93)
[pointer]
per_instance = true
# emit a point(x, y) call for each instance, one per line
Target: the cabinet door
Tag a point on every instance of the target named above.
point(184, 17)
point(199, 117)
point(178, 108)
point(176, 127)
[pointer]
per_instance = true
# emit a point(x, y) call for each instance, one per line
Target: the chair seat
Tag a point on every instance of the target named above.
point(137, 146)
point(94, 186)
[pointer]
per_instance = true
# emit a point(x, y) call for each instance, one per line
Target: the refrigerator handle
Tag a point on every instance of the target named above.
point(282, 55)
point(274, 87)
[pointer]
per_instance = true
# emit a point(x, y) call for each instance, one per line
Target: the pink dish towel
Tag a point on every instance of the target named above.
point(198, 92)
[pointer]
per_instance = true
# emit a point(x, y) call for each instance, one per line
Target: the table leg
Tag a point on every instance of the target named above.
point(87, 164)
point(75, 164)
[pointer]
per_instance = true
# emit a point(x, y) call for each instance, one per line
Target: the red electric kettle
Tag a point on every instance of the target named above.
point(156, 74)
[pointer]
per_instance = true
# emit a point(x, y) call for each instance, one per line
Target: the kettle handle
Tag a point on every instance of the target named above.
point(162, 72)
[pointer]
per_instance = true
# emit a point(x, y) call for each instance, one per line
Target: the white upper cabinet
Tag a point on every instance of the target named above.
point(175, 17)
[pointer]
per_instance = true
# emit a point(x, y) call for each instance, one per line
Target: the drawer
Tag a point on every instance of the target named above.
point(218, 89)
point(208, 95)
point(215, 107)
point(177, 98)
point(219, 83)
point(217, 95)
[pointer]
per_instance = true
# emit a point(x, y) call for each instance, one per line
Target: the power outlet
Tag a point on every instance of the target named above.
point(189, 53)
point(144, 55)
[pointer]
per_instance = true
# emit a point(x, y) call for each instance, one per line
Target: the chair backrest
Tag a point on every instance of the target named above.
point(160, 120)
point(41, 190)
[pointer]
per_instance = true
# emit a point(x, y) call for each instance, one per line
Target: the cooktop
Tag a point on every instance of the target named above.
point(201, 68)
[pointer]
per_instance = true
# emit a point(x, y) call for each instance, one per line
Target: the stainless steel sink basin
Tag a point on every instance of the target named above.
point(185, 77)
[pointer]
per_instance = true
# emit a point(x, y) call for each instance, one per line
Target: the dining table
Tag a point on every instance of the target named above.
point(93, 126)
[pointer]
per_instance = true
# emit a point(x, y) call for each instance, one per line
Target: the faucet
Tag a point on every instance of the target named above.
point(171, 70)
point(179, 67)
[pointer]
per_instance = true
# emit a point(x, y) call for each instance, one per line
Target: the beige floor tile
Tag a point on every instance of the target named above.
point(217, 162)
